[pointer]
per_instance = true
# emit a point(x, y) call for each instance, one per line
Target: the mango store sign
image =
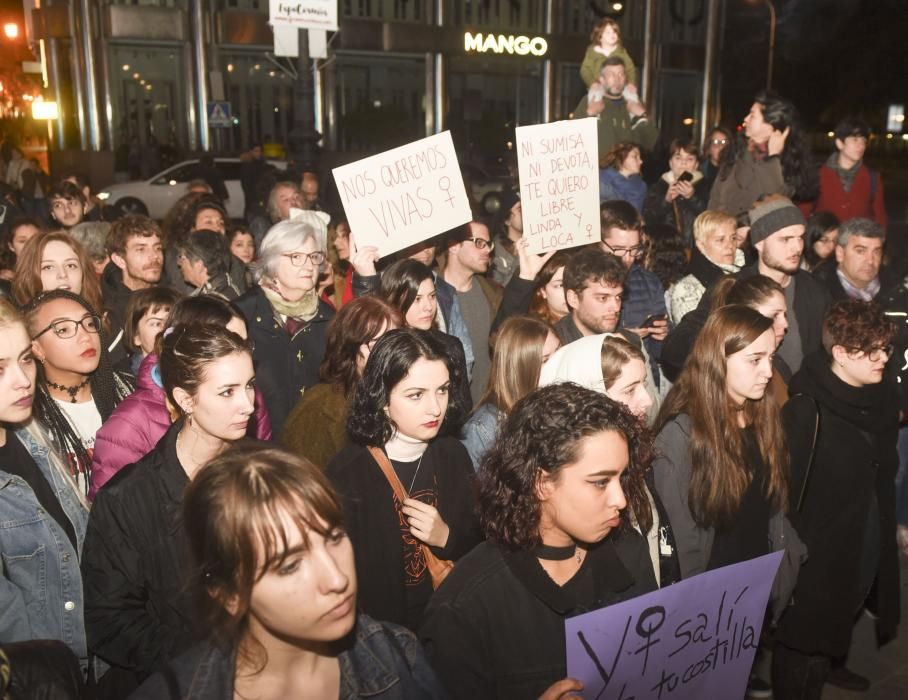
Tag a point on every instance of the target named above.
point(689, 641)
point(505, 44)
point(404, 196)
point(559, 184)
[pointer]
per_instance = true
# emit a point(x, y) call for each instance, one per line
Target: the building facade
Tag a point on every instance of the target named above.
point(132, 73)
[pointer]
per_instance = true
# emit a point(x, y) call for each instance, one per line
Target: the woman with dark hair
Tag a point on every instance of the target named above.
point(567, 462)
point(193, 212)
point(771, 157)
point(406, 491)
point(77, 388)
point(44, 512)
point(56, 261)
point(137, 611)
point(721, 469)
point(146, 317)
point(842, 427)
point(338, 279)
point(548, 302)
point(711, 155)
point(287, 321)
point(266, 532)
point(820, 239)
point(316, 428)
point(678, 197)
point(138, 423)
point(523, 345)
point(410, 286)
point(619, 175)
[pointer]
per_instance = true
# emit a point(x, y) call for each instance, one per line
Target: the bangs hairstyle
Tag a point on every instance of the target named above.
point(400, 283)
point(141, 302)
point(283, 237)
point(857, 326)
point(389, 363)
point(356, 324)
point(599, 28)
point(516, 362)
point(540, 437)
point(235, 513)
point(615, 354)
point(186, 352)
point(27, 282)
point(719, 475)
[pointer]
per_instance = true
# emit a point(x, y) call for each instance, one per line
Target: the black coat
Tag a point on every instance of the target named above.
point(852, 477)
point(810, 304)
point(656, 211)
point(135, 563)
point(495, 628)
point(284, 366)
point(374, 527)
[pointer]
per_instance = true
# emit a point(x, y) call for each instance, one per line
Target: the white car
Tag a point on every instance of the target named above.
point(155, 196)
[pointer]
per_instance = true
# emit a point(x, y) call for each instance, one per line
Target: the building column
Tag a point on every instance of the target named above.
point(438, 78)
point(709, 70)
point(77, 76)
point(199, 72)
point(53, 79)
point(92, 120)
point(547, 68)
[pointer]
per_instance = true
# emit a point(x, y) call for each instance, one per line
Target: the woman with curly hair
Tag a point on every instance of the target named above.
point(771, 157)
point(568, 461)
point(842, 427)
point(406, 492)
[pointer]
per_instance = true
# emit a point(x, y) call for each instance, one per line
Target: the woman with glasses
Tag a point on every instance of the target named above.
point(44, 512)
point(317, 427)
point(711, 154)
point(138, 423)
point(287, 321)
point(406, 486)
point(842, 426)
point(138, 613)
point(77, 388)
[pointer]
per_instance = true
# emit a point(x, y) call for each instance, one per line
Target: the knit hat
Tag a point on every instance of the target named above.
point(507, 199)
point(773, 215)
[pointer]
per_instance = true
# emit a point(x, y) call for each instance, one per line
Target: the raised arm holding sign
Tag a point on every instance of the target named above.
point(405, 195)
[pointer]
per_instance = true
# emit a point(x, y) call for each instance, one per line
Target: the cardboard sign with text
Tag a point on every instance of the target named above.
point(559, 184)
point(405, 195)
point(693, 640)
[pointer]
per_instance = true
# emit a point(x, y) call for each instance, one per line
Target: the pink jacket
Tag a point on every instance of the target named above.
point(140, 421)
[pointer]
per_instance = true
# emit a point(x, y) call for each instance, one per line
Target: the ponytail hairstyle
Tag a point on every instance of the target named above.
point(750, 291)
point(108, 388)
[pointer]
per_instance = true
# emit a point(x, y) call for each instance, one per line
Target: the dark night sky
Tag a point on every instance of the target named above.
point(833, 57)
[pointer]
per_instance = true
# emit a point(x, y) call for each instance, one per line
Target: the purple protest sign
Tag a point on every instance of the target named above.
point(689, 641)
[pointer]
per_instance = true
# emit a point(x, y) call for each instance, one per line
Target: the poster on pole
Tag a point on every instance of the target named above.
point(693, 640)
point(304, 14)
point(404, 196)
point(558, 164)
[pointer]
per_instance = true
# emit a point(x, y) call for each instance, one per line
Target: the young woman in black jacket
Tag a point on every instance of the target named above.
point(842, 496)
point(402, 403)
point(567, 462)
point(137, 611)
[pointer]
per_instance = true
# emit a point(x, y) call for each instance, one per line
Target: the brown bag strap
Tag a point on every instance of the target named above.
point(379, 456)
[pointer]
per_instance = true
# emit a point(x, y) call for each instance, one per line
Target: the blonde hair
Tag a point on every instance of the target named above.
point(707, 222)
point(615, 354)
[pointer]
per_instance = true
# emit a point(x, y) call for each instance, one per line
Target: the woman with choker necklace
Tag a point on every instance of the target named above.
point(721, 463)
point(567, 462)
point(401, 404)
point(137, 609)
point(288, 322)
point(77, 388)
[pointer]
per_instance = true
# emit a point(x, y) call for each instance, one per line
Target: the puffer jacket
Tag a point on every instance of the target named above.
point(141, 420)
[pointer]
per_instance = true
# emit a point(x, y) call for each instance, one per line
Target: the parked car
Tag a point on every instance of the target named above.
point(485, 187)
point(154, 196)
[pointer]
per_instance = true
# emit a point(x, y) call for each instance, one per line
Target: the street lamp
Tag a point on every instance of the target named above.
point(11, 30)
point(772, 41)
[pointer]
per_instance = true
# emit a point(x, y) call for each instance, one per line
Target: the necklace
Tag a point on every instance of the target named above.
point(71, 390)
point(550, 553)
point(416, 473)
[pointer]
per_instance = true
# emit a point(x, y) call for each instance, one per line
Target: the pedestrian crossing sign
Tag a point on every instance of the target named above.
point(219, 114)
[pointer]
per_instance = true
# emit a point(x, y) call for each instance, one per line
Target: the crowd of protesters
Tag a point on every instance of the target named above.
point(252, 459)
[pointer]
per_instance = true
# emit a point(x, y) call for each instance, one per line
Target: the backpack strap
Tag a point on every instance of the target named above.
point(813, 450)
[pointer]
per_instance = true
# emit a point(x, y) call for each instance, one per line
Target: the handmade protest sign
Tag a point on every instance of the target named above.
point(405, 195)
point(689, 641)
point(558, 164)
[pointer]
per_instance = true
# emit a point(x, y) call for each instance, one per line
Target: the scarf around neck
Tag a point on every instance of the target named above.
point(303, 309)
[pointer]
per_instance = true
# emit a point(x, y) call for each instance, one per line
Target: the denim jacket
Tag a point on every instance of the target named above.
point(41, 585)
point(480, 431)
point(384, 661)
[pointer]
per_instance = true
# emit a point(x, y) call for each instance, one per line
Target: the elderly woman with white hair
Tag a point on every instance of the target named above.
point(288, 323)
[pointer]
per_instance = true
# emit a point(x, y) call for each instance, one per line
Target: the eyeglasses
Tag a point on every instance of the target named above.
point(297, 259)
point(874, 353)
point(634, 252)
point(481, 243)
point(718, 142)
point(65, 328)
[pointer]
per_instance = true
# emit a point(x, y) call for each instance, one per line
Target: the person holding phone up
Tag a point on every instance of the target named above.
point(678, 197)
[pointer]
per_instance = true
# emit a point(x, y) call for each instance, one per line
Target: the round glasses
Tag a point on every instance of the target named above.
point(874, 353)
point(67, 328)
point(297, 259)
